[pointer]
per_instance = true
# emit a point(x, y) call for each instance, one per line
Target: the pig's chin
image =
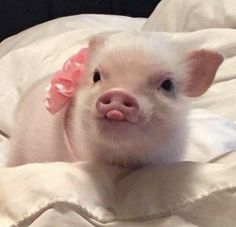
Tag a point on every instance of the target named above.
point(115, 129)
point(107, 123)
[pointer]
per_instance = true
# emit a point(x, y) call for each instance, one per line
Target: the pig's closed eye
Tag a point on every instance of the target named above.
point(167, 85)
point(96, 76)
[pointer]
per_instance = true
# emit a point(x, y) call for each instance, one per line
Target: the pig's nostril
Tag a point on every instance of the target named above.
point(106, 101)
point(128, 104)
point(118, 105)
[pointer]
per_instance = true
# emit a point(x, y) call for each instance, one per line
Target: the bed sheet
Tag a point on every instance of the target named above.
point(182, 194)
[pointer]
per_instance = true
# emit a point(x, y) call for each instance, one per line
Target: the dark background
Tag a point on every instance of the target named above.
point(17, 15)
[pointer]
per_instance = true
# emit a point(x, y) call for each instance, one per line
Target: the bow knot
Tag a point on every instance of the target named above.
point(65, 82)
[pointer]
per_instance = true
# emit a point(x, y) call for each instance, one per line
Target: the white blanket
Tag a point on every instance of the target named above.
point(84, 194)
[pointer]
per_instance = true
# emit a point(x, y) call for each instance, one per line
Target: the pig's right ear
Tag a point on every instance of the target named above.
point(203, 65)
point(99, 39)
point(96, 41)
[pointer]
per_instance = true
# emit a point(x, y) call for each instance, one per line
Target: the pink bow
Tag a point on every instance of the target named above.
point(65, 82)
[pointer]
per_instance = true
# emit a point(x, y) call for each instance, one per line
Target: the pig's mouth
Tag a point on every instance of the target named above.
point(115, 115)
point(118, 116)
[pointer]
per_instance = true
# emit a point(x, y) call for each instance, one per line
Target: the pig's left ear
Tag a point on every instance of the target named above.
point(203, 67)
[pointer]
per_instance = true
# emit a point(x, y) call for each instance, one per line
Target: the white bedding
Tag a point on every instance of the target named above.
point(81, 194)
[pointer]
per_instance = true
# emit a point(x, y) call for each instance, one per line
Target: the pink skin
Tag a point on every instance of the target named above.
point(118, 105)
point(126, 117)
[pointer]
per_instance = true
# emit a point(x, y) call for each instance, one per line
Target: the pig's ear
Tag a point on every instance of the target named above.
point(99, 39)
point(96, 40)
point(203, 67)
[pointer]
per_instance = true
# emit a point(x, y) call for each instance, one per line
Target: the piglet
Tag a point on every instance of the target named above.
point(130, 107)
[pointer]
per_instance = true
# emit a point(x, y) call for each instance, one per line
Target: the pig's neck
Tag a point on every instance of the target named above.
point(88, 148)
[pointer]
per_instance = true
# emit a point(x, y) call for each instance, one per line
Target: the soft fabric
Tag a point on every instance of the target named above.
point(211, 135)
point(87, 194)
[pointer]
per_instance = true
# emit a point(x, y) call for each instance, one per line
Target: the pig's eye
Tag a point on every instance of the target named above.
point(96, 76)
point(167, 85)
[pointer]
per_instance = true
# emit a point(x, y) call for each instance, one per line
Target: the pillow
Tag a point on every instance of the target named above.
point(188, 16)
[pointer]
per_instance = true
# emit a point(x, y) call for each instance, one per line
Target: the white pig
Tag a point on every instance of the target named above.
point(130, 108)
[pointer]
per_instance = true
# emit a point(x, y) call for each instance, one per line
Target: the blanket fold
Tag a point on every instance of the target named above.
point(102, 194)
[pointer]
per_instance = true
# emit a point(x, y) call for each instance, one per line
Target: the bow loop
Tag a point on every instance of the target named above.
point(65, 82)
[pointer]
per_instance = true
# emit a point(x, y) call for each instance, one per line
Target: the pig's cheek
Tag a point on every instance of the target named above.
point(146, 108)
point(82, 101)
point(87, 99)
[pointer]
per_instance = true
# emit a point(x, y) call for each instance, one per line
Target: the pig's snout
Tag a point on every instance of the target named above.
point(118, 105)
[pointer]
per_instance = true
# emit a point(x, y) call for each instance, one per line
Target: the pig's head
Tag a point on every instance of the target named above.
point(131, 106)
